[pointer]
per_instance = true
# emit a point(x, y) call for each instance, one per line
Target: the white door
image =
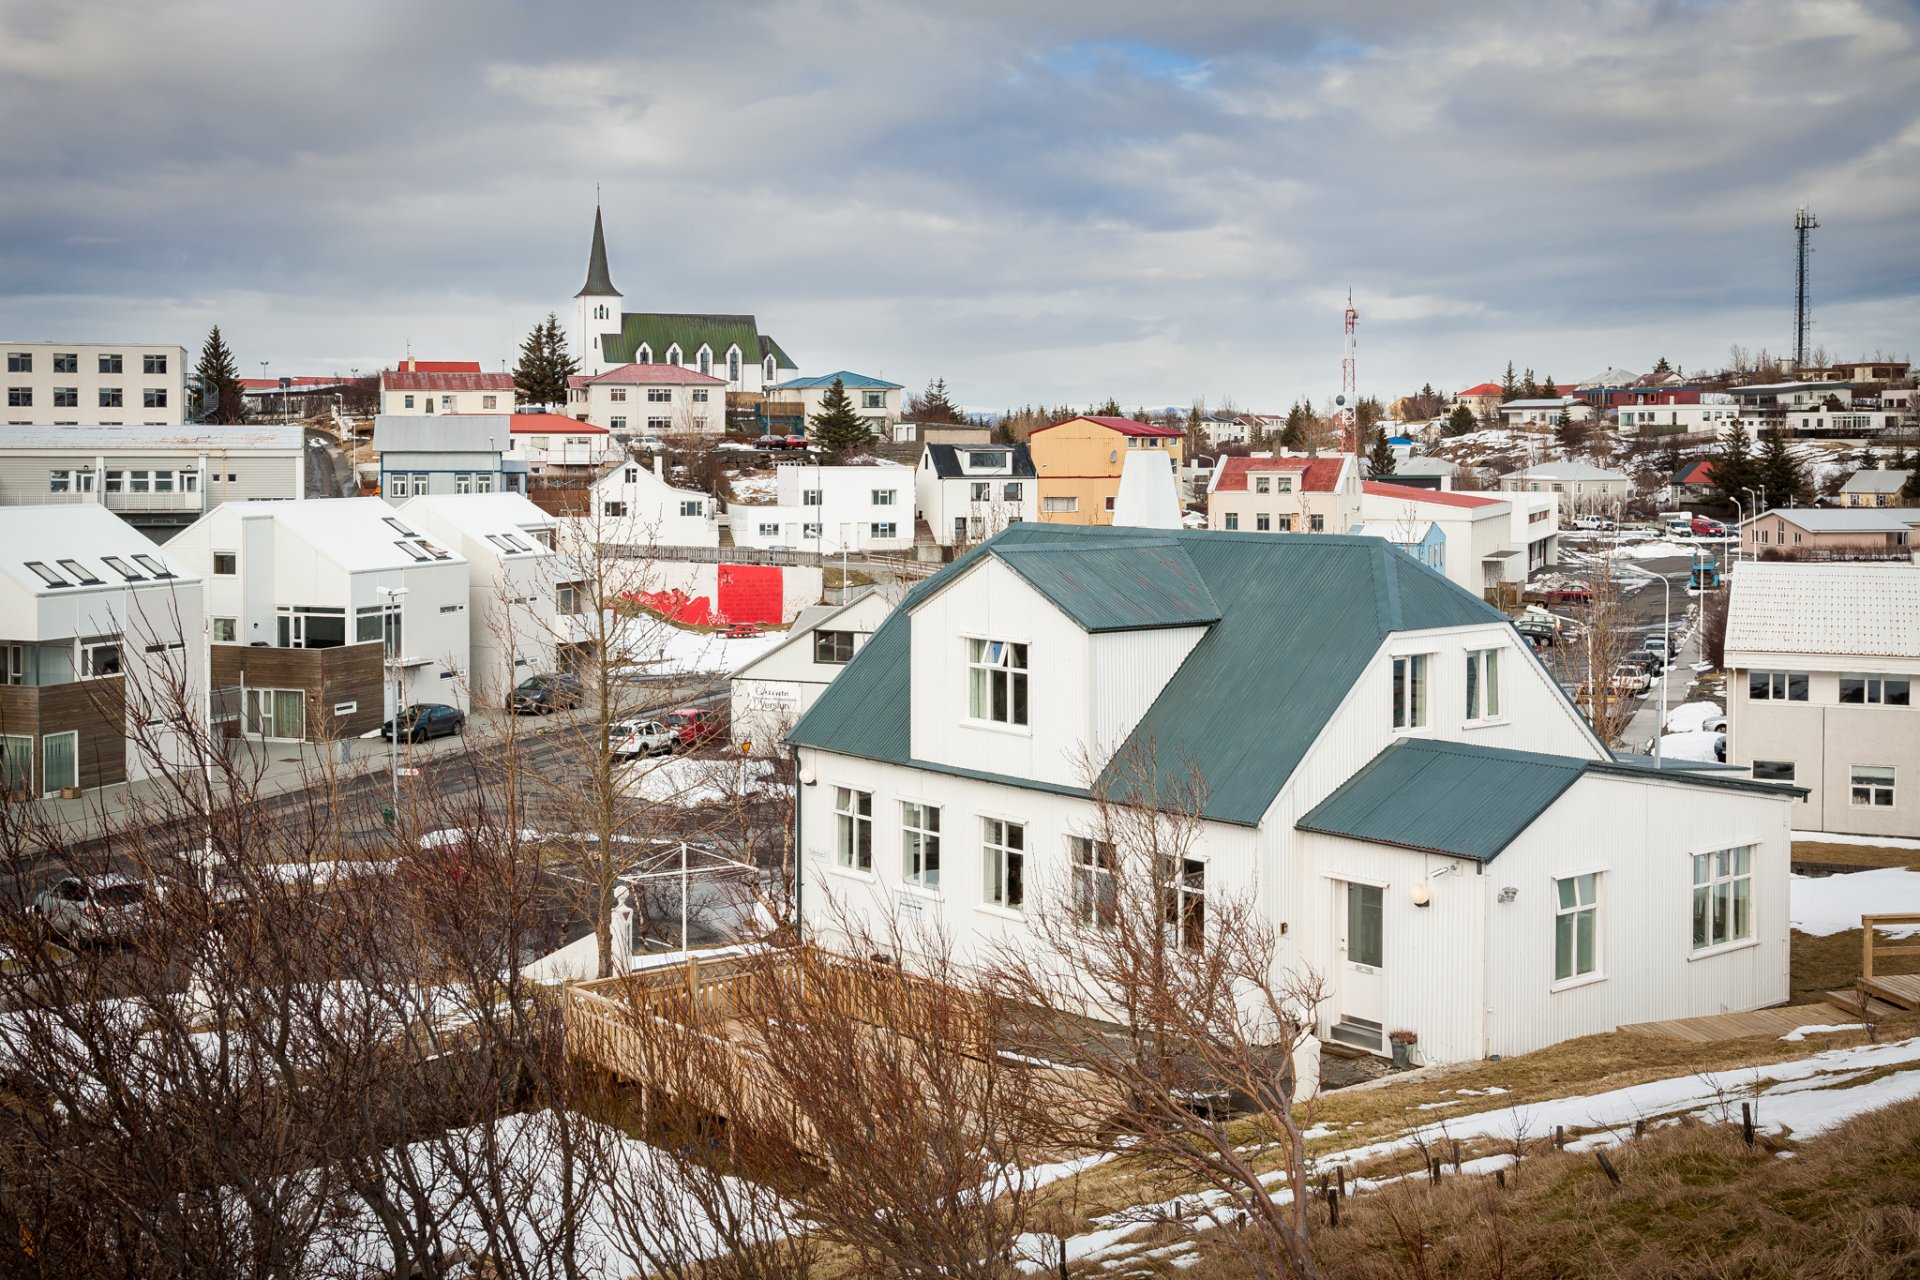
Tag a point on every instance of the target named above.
point(1360, 995)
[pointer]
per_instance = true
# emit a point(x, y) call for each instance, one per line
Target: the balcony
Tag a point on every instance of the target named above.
point(173, 501)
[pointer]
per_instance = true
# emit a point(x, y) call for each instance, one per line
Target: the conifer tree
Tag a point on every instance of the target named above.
point(1460, 421)
point(1661, 366)
point(1910, 491)
point(837, 429)
point(1380, 461)
point(1509, 386)
point(221, 398)
point(1733, 465)
point(1548, 390)
point(545, 365)
point(1529, 389)
point(1780, 477)
point(1293, 436)
point(935, 405)
point(1111, 409)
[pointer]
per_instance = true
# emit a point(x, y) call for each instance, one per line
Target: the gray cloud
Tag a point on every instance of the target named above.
point(1037, 201)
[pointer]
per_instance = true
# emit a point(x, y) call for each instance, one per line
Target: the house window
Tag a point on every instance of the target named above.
point(700, 396)
point(1110, 502)
point(406, 401)
point(1576, 935)
point(656, 395)
point(1263, 484)
point(66, 362)
point(1286, 524)
point(1263, 523)
point(126, 571)
point(706, 361)
point(1776, 686)
point(154, 398)
point(1233, 519)
point(446, 404)
point(733, 370)
point(1010, 493)
point(1283, 484)
point(691, 508)
point(884, 497)
point(111, 364)
point(619, 395)
point(873, 399)
point(810, 530)
point(768, 369)
point(658, 424)
point(1003, 863)
point(566, 598)
point(226, 563)
point(112, 398)
point(853, 824)
point(1873, 785)
point(1410, 692)
point(489, 402)
point(1183, 885)
point(1060, 504)
point(810, 497)
point(463, 483)
point(19, 362)
point(673, 354)
point(997, 681)
point(226, 630)
point(920, 844)
point(769, 530)
point(16, 763)
point(882, 530)
point(630, 476)
point(99, 658)
point(1317, 524)
point(66, 397)
point(1773, 771)
point(982, 491)
point(1483, 684)
point(613, 508)
point(833, 647)
point(276, 713)
point(1880, 691)
point(153, 364)
point(1092, 866)
point(1722, 897)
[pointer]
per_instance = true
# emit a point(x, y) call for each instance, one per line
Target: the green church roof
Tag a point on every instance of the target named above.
point(659, 330)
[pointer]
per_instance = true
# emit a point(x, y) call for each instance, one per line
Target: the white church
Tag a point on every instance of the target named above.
point(722, 346)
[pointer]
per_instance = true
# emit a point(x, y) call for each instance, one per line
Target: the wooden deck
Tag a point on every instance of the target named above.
point(1777, 1021)
point(1900, 989)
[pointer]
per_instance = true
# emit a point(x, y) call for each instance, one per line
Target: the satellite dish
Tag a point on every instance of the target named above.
point(1339, 399)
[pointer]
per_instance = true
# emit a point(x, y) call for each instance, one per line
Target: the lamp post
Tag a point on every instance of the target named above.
point(1759, 497)
point(1666, 634)
point(1740, 515)
point(390, 626)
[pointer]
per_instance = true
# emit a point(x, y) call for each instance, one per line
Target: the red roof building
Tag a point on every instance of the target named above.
point(1441, 497)
point(402, 380)
point(410, 365)
point(1317, 475)
point(1484, 389)
point(1285, 494)
point(555, 424)
point(653, 375)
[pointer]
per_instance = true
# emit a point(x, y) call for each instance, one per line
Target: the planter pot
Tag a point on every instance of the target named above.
point(1402, 1054)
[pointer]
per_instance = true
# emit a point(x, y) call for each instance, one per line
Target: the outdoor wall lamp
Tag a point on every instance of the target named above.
point(808, 778)
point(1509, 893)
point(1421, 895)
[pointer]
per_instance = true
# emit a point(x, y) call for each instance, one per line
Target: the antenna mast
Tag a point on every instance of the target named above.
point(1803, 224)
point(1348, 411)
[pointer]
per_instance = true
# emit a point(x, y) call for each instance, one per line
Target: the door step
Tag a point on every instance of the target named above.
point(1361, 1033)
point(1858, 1005)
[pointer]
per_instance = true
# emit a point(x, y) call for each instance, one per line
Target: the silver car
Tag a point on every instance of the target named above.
point(106, 907)
point(632, 739)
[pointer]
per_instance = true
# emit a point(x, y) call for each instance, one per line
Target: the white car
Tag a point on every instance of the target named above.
point(633, 739)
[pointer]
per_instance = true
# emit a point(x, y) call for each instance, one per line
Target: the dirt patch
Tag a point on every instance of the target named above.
point(1831, 962)
point(1814, 856)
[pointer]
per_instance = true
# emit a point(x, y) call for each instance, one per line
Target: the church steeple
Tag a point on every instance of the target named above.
point(599, 284)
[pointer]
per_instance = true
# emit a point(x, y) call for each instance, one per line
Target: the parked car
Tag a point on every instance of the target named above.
point(1593, 523)
point(545, 694)
point(97, 910)
point(632, 739)
point(1632, 679)
point(1720, 748)
point(1660, 644)
point(1701, 527)
point(744, 631)
point(1570, 595)
point(693, 727)
point(1642, 660)
point(425, 720)
point(1541, 633)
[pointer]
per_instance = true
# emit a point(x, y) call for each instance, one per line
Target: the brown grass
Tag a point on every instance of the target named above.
point(1695, 1204)
point(1830, 963)
point(1864, 856)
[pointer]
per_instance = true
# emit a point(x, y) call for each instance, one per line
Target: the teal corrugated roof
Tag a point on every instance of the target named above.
point(1445, 797)
point(1126, 586)
point(845, 379)
point(1299, 618)
point(660, 330)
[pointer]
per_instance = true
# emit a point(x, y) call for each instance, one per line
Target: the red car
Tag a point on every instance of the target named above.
point(1705, 528)
point(692, 727)
point(1571, 595)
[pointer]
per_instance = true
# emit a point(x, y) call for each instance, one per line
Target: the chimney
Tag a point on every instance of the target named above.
point(413, 366)
point(659, 465)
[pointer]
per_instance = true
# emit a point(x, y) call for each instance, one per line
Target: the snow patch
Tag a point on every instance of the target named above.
point(1692, 717)
point(1825, 1028)
point(1823, 905)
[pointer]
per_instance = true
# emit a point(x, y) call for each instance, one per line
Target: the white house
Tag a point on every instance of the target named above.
point(1481, 548)
point(446, 453)
point(1220, 428)
point(1390, 777)
point(1285, 493)
point(633, 505)
point(1821, 663)
point(1581, 486)
point(108, 384)
point(547, 442)
point(317, 609)
point(968, 493)
point(514, 629)
point(654, 399)
point(1714, 414)
point(1547, 411)
point(730, 347)
point(772, 692)
point(96, 624)
point(875, 400)
point(415, 389)
point(1536, 529)
point(1424, 540)
point(856, 507)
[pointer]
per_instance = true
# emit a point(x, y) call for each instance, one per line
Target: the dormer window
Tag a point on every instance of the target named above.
point(987, 460)
point(997, 681)
point(673, 354)
point(769, 368)
point(644, 355)
point(706, 361)
point(733, 365)
point(1263, 484)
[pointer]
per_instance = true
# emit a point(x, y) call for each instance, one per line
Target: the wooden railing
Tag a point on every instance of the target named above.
point(1870, 944)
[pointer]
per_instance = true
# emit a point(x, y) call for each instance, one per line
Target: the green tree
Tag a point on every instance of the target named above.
point(1549, 390)
point(1111, 409)
point(837, 429)
point(1293, 436)
point(1734, 469)
point(1380, 459)
point(1910, 491)
point(1572, 432)
point(545, 365)
point(1661, 366)
point(1780, 476)
point(1460, 421)
point(1509, 386)
point(221, 399)
point(935, 405)
point(1529, 389)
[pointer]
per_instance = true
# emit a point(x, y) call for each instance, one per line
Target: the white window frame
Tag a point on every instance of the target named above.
point(1483, 686)
point(1412, 700)
point(1779, 686)
point(1585, 886)
point(1092, 864)
point(920, 844)
point(1717, 879)
point(1059, 505)
point(1875, 791)
point(1185, 901)
point(1003, 864)
point(990, 662)
point(1874, 691)
point(853, 829)
point(226, 630)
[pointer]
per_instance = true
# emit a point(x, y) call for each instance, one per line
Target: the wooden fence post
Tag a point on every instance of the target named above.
point(1333, 1208)
point(1606, 1166)
point(1746, 1122)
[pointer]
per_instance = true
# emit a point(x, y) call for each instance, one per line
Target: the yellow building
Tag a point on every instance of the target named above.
point(1079, 460)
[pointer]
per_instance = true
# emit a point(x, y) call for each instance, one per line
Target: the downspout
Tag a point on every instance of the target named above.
point(799, 881)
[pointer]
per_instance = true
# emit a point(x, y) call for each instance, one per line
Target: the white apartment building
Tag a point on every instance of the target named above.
point(632, 505)
point(651, 399)
point(876, 401)
point(317, 609)
point(1285, 493)
point(1479, 530)
point(1391, 780)
point(99, 630)
point(108, 384)
point(1706, 418)
point(414, 390)
point(1822, 660)
point(1581, 487)
point(828, 509)
point(514, 571)
point(968, 493)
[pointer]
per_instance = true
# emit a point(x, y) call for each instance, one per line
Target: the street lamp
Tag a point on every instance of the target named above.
point(1740, 516)
point(390, 625)
point(1759, 496)
point(1668, 658)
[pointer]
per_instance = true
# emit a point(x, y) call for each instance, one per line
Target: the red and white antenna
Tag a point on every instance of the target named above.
point(1346, 407)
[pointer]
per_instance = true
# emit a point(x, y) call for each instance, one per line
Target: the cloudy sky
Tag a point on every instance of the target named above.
point(1038, 201)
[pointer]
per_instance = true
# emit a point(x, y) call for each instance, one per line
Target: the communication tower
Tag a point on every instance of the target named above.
point(1803, 224)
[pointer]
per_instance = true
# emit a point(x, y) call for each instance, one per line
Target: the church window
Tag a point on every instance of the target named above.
point(673, 354)
point(769, 368)
point(644, 355)
point(706, 361)
point(733, 366)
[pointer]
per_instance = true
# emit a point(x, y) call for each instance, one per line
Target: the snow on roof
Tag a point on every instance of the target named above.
point(132, 439)
point(353, 533)
point(1848, 608)
point(1543, 402)
point(1875, 481)
point(484, 516)
point(1564, 471)
point(81, 533)
point(1844, 519)
point(1438, 497)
